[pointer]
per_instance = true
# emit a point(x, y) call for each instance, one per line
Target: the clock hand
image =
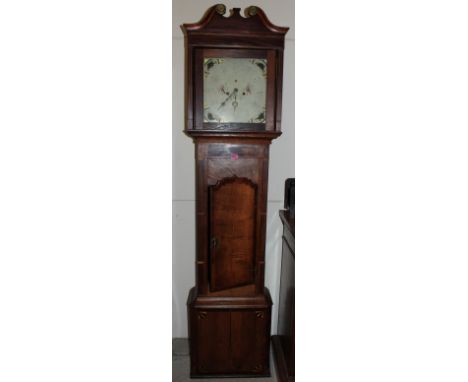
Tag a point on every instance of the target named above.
point(224, 102)
point(228, 98)
point(234, 103)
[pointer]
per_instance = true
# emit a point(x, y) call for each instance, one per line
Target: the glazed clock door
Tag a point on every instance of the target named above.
point(234, 90)
point(232, 233)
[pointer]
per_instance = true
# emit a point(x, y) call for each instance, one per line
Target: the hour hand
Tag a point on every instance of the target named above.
point(228, 98)
point(223, 90)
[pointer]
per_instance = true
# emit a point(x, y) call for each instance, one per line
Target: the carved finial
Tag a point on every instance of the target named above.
point(221, 9)
point(234, 12)
point(251, 11)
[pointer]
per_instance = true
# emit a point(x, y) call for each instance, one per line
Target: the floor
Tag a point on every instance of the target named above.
point(181, 366)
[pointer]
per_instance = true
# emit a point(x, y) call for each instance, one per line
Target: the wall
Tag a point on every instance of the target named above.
point(183, 177)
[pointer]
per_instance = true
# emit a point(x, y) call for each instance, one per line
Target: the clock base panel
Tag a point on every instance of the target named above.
point(229, 337)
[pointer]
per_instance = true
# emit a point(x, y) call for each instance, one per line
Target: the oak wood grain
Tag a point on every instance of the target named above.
point(229, 308)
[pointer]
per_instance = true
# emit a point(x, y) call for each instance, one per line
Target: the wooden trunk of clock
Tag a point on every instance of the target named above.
point(230, 309)
point(232, 121)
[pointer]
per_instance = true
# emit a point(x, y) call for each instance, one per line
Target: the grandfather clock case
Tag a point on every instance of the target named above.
point(234, 67)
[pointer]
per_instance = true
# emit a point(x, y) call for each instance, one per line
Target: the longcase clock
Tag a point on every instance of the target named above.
point(234, 66)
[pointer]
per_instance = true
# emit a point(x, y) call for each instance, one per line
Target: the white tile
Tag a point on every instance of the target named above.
point(183, 263)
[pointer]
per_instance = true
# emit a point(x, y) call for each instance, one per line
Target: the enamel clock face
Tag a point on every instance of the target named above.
point(234, 90)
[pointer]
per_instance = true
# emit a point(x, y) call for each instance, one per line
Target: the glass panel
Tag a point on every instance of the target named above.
point(234, 90)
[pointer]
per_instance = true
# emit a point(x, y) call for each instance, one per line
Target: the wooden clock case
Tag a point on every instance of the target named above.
point(229, 309)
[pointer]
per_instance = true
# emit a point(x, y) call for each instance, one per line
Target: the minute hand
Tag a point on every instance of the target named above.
point(228, 98)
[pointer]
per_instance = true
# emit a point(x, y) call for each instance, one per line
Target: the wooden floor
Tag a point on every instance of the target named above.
point(181, 366)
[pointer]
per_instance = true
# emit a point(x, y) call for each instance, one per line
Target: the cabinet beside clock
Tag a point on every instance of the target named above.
point(284, 340)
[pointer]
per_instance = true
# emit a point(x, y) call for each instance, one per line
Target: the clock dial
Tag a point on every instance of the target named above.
point(234, 90)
